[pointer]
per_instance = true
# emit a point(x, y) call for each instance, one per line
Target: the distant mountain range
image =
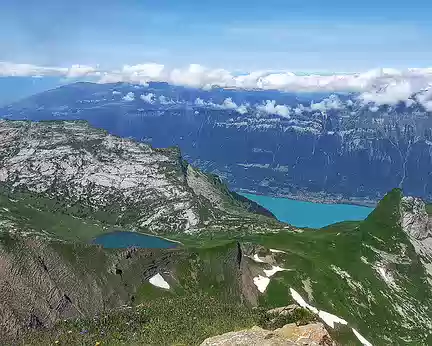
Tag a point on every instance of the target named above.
point(331, 147)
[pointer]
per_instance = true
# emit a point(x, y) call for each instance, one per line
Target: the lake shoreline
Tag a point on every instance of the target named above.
point(96, 240)
point(307, 214)
point(160, 237)
point(314, 198)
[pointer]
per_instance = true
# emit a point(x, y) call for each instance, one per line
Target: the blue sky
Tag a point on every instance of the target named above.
point(314, 35)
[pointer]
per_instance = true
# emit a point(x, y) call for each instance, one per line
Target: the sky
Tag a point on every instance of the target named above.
point(236, 35)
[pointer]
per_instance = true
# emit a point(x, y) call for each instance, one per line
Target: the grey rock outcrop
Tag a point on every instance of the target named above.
point(289, 335)
point(417, 224)
point(119, 180)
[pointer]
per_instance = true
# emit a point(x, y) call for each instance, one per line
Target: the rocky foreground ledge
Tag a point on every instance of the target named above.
point(313, 334)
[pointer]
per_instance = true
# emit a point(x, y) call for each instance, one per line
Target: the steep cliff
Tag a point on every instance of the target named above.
point(45, 282)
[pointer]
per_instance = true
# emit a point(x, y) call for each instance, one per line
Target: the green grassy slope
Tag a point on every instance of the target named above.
point(364, 272)
point(341, 265)
point(337, 269)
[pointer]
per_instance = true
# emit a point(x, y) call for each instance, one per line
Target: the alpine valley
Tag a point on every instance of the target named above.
point(234, 268)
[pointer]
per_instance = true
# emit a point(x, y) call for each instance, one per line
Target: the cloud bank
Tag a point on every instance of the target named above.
point(380, 86)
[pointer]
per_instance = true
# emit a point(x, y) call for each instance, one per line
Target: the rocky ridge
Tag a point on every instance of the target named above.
point(117, 180)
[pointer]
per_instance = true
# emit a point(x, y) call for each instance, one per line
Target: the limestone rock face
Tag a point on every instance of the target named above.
point(117, 180)
point(289, 335)
point(414, 218)
point(417, 224)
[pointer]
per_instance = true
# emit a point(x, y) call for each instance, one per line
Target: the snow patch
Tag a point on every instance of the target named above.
point(328, 318)
point(361, 338)
point(257, 259)
point(300, 301)
point(159, 281)
point(274, 270)
point(277, 251)
point(261, 282)
point(331, 319)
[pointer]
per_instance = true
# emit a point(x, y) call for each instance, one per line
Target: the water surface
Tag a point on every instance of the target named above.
point(119, 240)
point(308, 214)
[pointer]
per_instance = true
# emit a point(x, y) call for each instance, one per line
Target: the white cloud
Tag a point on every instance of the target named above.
point(427, 105)
point(79, 71)
point(299, 109)
point(332, 102)
point(425, 99)
point(21, 70)
point(148, 98)
point(115, 92)
point(242, 109)
point(228, 103)
point(270, 107)
point(391, 94)
point(165, 100)
point(376, 86)
point(201, 77)
point(29, 70)
point(151, 71)
point(130, 96)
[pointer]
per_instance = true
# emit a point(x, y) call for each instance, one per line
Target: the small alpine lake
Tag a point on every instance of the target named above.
point(121, 240)
point(308, 214)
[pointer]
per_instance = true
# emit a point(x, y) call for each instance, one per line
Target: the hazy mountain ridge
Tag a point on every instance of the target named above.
point(327, 147)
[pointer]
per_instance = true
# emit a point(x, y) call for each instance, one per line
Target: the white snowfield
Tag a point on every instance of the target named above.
point(331, 319)
point(257, 259)
point(300, 301)
point(361, 338)
point(274, 270)
point(261, 282)
point(277, 251)
point(328, 318)
point(159, 281)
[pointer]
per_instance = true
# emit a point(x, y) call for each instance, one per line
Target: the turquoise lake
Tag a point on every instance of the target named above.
point(120, 240)
point(308, 214)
